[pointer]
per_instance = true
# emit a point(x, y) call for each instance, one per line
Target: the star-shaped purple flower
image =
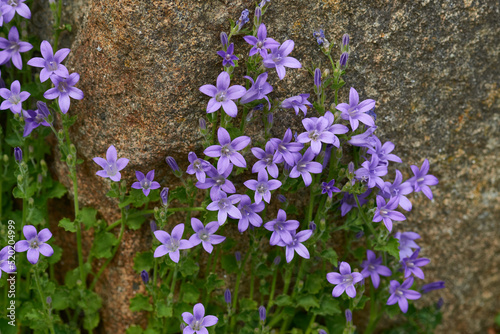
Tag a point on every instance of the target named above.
point(345, 280)
point(316, 133)
point(366, 139)
point(228, 56)
point(249, 214)
point(11, 7)
point(227, 150)
point(305, 166)
point(145, 183)
point(197, 322)
point(12, 48)
point(278, 58)
point(399, 189)
point(217, 182)
point(411, 265)
point(348, 202)
point(205, 235)
point(64, 90)
point(296, 245)
point(281, 228)
point(383, 152)
point(355, 112)
point(35, 118)
point(328, 188)
point(406, 243)
point(401, 292)
point(14, 98)
point(286, 150)
point(35, 243)
point(260, 88)
point(6, 265)
point(262, 187)
point(50, 63)
point(261, 42)
point(111, 165)
point(385, 211)
point(421, 181)
point(225, 206)
point(198, 166)
point(223, 95)
point(373, 267)
point(371, 172)
point(171, 244)
point(298, 102)
point(267, 160)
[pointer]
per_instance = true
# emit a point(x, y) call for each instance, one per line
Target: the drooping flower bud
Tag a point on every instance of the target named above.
point(262, 313)
point(18, 154)
point(223, 39)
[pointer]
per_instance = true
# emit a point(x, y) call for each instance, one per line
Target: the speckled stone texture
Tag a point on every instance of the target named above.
point(432, 67)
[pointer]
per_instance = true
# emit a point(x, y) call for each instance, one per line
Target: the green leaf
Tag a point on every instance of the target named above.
point(180, 194)
point(330, 255)
point(307, 301)
point(188, 267)
point(134, 330)
point(17, 193)
point(136, 222)
point(90, 301)
point(190, 293)
point(140, 302)
point(103, 243)
point(56, 256)
point(112, 194)
point(88, 217)
point(329, 307)
point(263, 270)
point(90, 321)
point(213, 282)
point(67, 225)
point(391, 247)
point(163, 310)
point(247, 304)
point(228, 262)
point(283, 300)
point(57, 191)
point(60, 300)
point(143, 261)
point(314, 283)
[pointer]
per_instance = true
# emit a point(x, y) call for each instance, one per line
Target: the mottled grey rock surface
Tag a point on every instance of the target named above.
point(432, 67)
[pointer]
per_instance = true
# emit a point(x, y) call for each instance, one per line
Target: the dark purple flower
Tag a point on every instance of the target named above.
point(328, 188)
point(227, 150)
point(5, 264)
point(278, 58)
point(421, 181)
point(297, 102)
point(320, 36)
point(344, 57)
point(50, 63)
point(14, 98)
point(281, 228)
point(11, 7)
point(277, 260)
point(237, 256)
point(285, 150)
point(145, 183)
point(12, 48)
point(35, 243)
point(317, 132)
point(260, 88)
point(312, 226)
point(223, 39)
point(18, 154)
point(296, 245)
point(198, 166)
point(373, 267)
point(249, 214)
point(111, 165)
point(355, 112)
point(348, 202)
point(225, 206)
point(433, 286)
point(383, 152)
point(197, 322)
point(411, 265)
point(305, 166)
point(261, 42)
point(205, 235)
point(345, 40)
point(266, 160)
point(366, 139)
point(262, 187)
point(152, 224)
point(348, 315)
point(439, 304)
point(64, 90)
point(262, 313)
point(385, 211)
point(223, 95)
point(227, 296)
point(399, 190)
point(243, 19)
point(345, 280)
point(171, 244)
point(317, 80)
point(228, 56)
point(401, 292)
point(371, 173)
point(145, 276)
point(35, 118)
point(406, 243)
point(217, 182)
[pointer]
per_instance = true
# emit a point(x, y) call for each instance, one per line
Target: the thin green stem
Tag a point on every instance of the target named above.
point(273, 290)
point(43, 300)
point(172, 286)
point(78, 224)
point(236, 290)
point(155, 269)
point(58, 24)
point(214, 127)
point(374, 317)
point(311, 322)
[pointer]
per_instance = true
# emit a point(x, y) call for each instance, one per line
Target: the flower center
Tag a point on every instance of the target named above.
point(34, 244)
point(224, 204)
point(220, 97)
point(421, 179)
point(383, 212)
point(353, 111)
point(278, 227)
point(259, 45)
point(247, 210)
point(204, 236)
point(225, 150)
point(15, 99)
point(146, 184)
point(63, 87)
point(219, 180)
point(282, 148)
point(262, 188)
point(196, 325)
point(13, 3)
point(347, 279)
point(399, 293)
point(173, 245)
point(14, 46)
point(269, 159)
point(314, 135)
point(197, 166)
point(371, 267)
point(301, 166)
point(111, 170)
point(277, 58)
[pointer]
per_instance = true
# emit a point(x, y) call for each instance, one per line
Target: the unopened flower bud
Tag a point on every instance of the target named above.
point(322, 221)
point(48, 300)
point(282, 198)
point(326, 72)
point(31, 149)
point(182, 327)
point(69, 159)
point(237, 255)
point(317, 78)
point(257, 16)
point(43, 109)
point(348, 315)
point(60, 135)
point(343, 60)
point(72, 149)
point(345, 41)
point(31, 201)
point(262, 313)
point(350, 167)
point(164, 196)
point(439, 304)
point(173, 165)
point(5, 158)
point(322, 331)
point(203, 124)
point(227, 296)
point(359, 235)
point(312, 226)
point(249, 116)
point(18, 154)
point(153, 226)
point(39, 178)
point(223, 39)
point(270, 118)
point(277, 260)
point(145, 276)
point(20, 179)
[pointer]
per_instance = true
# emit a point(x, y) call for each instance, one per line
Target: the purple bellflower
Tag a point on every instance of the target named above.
point(305, 166)
point(262, 187)
point(345, 280)
point(227, 150)
point(6, 265)
point(50, 63)
point(14, 98)
point(249, 214)
point(35, 118)
point(11, 7)
point(35, 243)
point(373, 267)
point(12, 48)
point(433, 286)
point(406, 243)
point(171, 244)
point(267, 160)
point(328, 188)
point(298, 102)
point(317, 133)
point(421, 181)
point(260, 88)
point(198, 167)
point(261, 42)
point(111, 165)
point(320, 36)
point(285, 150)
point(401, 292)
point(411, 265)
point(205, 235)
point(281, 228)
point(366, 139)
point(218, 183)
point(64, 90)
point(243, 19)
point(398, 190)
point(385, 211)
point(383, 152)
point(296, 245)
point(336, 129)
point(228, 56)
point(354, 112)
point(197, 321)
point(278, 58)
point(225, 206)
point(348, 202)
point(223, 95)
point(145, 183)
point(371, 172)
